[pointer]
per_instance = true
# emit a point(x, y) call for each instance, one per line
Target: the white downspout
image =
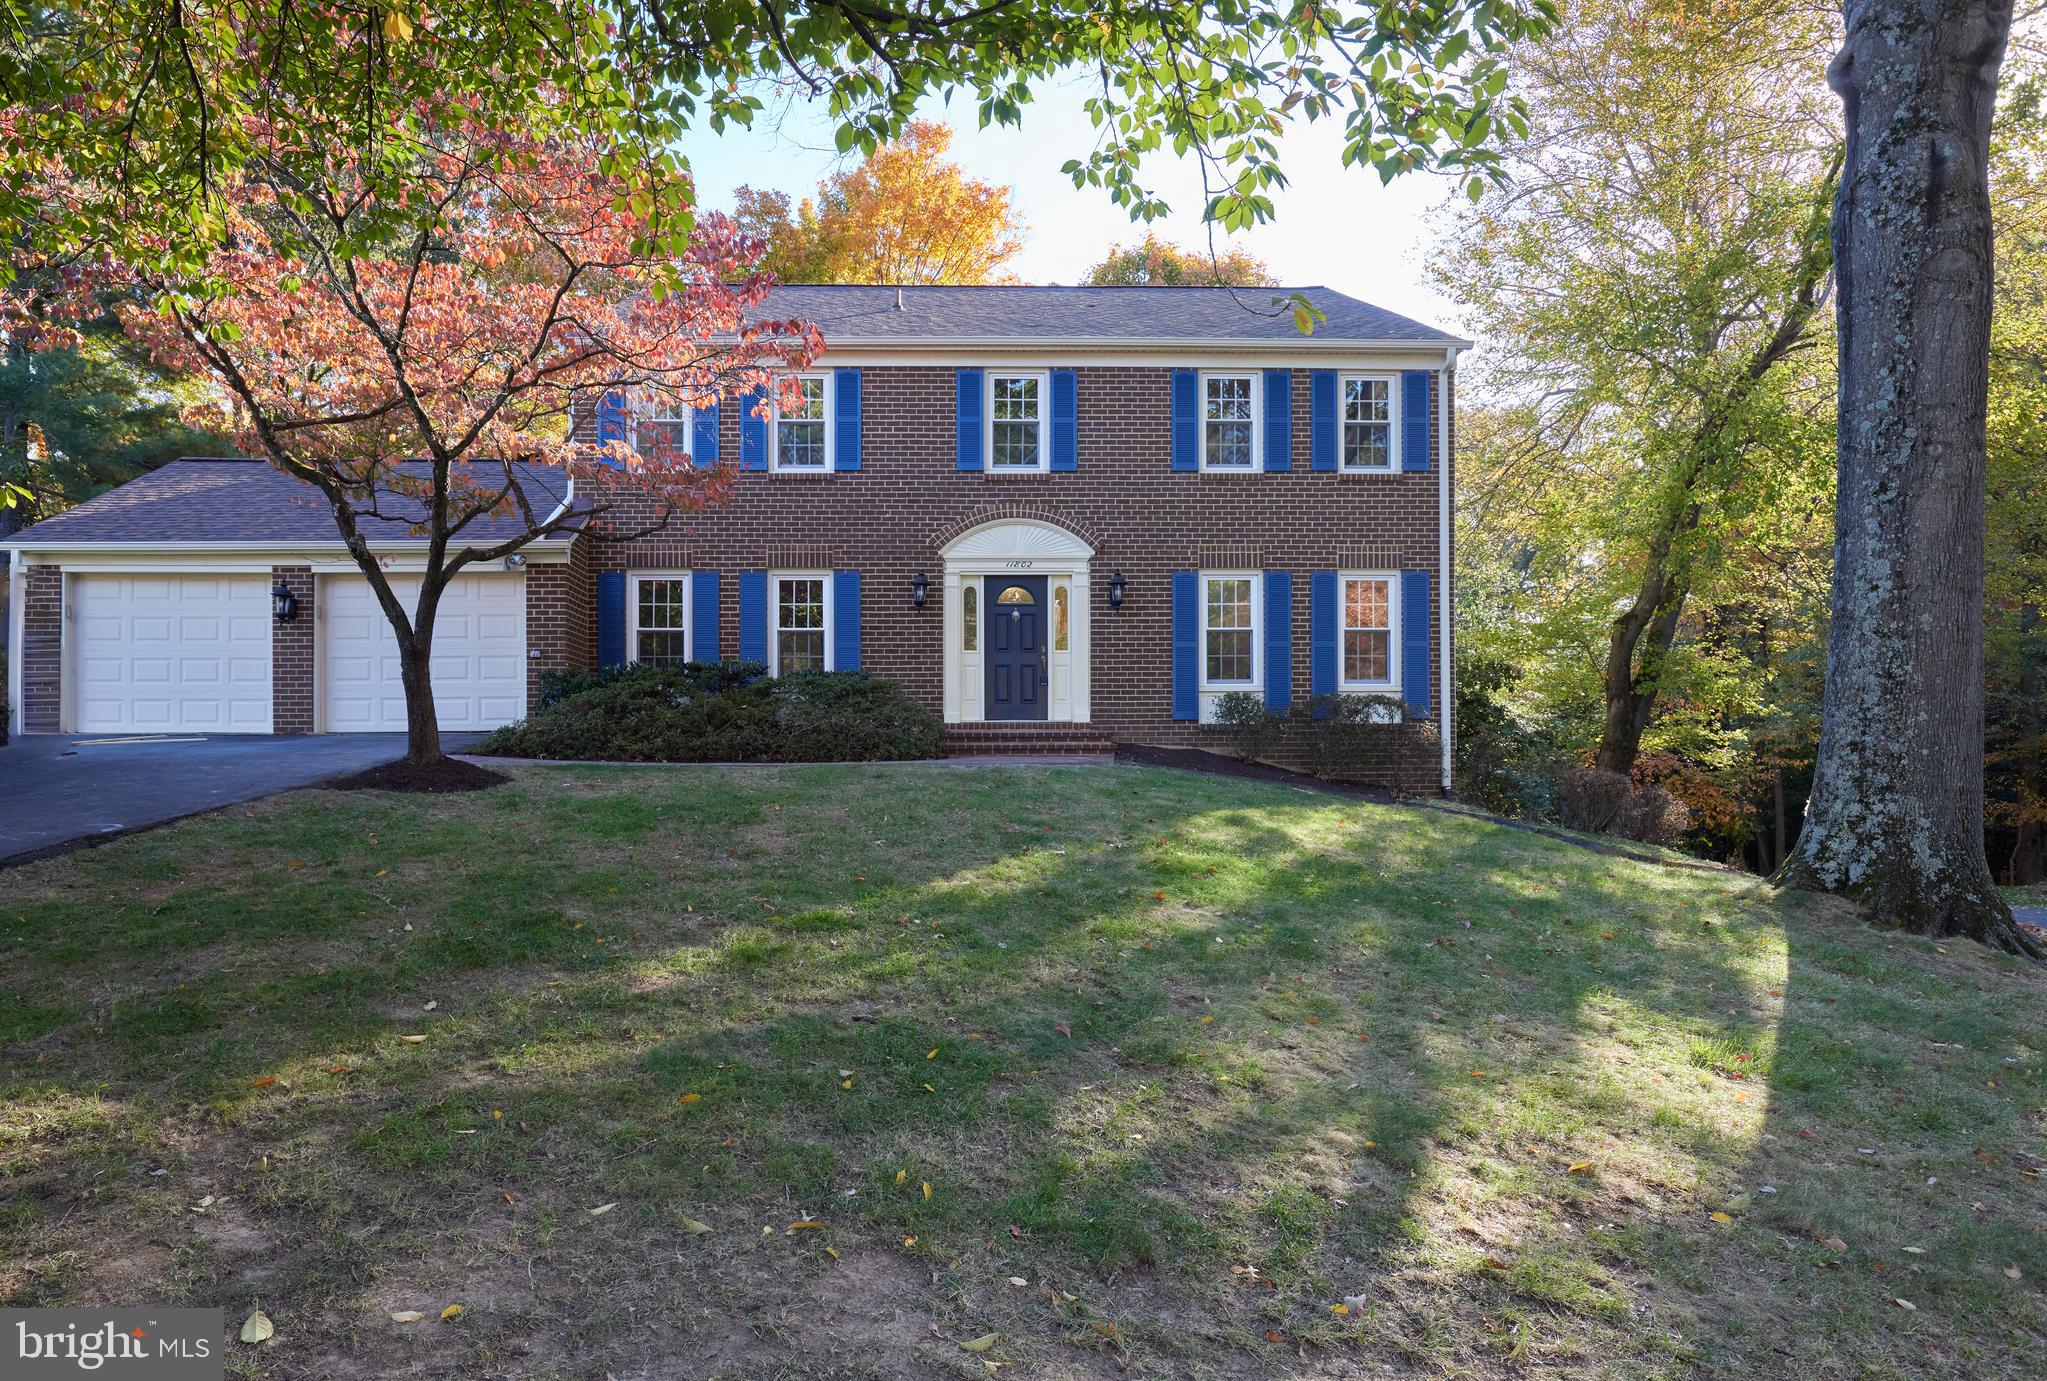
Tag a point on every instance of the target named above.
point(17, 602)
point(1443, 613)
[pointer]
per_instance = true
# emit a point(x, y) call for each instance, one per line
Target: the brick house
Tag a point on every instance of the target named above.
point(1059, 516)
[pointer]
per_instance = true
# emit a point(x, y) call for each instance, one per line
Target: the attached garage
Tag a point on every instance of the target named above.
point(479, 656)
point(169, 653)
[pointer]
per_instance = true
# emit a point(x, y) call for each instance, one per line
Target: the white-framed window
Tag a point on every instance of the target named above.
point(1019, 401)
point(1231, 428)
point(1230, 618)
point(800, 434)
point(800, 622)
point(1368, 613)
point(1370, 416)
point(657, 610)
point(659, 424)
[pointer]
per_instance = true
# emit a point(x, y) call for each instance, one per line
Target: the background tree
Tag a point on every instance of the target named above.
point(79, 419)
point(1153, 263)
point(1648, 284)
point(1897, 810)
point(905, 214)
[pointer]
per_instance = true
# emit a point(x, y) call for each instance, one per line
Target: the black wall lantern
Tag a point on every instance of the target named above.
point(284, 605)
point(1116, 590)
point(919, 589)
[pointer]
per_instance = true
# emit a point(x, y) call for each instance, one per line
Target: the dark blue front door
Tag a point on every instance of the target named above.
point(1016, 646)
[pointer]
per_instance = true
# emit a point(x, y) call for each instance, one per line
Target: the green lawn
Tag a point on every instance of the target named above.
point(1204, 1077)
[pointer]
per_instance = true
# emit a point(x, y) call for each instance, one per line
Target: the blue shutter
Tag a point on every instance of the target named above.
point(703, 616)
point(703, 435)
point(845, 621)
point(753, 431)
point(846, 388)
point(1322, 419)
point(1414, 419)
point(1415, 618)
point(1065, 420)
point(1279, 640)
point(753, 616)
point(611, 422)
point(610, 618)
point(1279, 419)
point(1186, 636)
point(967, 419)
point(1186, 420)
point(1322, 633)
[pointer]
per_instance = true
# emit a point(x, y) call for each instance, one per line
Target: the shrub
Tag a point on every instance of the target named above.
point(1342, 733)
point(721, 712)
point(1253, 728)
point(1591, 798)
point(1612, 803)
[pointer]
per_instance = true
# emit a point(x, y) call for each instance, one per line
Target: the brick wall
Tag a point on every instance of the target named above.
point(291, 656)
point(560, 600)
point(889, 519)
point(42, 648)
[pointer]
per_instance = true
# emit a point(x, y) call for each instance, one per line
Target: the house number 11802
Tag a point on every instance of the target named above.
point(1019, 565)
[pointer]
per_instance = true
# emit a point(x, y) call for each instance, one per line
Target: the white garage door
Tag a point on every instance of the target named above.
point(479, 656)
point(169, 653)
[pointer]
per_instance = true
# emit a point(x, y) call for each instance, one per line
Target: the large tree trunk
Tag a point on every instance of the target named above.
point(1639, 641)
point(415, 672)
point(1896, 816)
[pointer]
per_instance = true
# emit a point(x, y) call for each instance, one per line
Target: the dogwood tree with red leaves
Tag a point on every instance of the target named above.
point(408, 330)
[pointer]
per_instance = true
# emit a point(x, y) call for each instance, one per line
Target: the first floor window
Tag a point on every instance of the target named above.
point(801, 428)
point(660, 608)
point(1367, 630)
point(1367, 422)
point(799, 624)
point(1229, 640)
point(1016, 421)
point(1228, 421)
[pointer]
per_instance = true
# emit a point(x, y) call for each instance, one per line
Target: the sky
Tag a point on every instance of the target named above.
point(1336, 226)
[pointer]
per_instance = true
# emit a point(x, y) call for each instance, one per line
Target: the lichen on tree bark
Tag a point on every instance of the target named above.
point(1896, 816)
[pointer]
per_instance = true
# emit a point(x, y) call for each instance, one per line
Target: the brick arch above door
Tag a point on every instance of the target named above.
point(992, 514)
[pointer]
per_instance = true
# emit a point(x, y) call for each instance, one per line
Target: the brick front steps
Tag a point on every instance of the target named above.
point(1030, 739)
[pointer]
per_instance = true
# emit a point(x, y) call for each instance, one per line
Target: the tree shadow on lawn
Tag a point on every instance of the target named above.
point(1418, 1027)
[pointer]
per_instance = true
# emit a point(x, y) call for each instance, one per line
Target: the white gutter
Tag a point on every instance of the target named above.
point(1297, 343)
point(1443, 560)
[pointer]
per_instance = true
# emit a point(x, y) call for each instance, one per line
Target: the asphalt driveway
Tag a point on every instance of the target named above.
point(59, 788)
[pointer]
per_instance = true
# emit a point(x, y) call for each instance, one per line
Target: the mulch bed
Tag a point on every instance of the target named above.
point(433, 778)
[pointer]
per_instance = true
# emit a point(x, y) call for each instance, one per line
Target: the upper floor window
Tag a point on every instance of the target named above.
point(801, 435)
point(1229, 629)
point(658, 424)
point(1368, 421)
point(1368, 612)
point(1229, 421)
point(803, 619)
point(1016, 421)
point(660, 612)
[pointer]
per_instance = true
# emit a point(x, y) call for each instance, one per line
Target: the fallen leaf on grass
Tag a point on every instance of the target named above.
point(1270, 1336)
point(902, 1175)
point(980, 1344)
point(1580, 1167)
point(804, 1224)
point(1339, 1309)
point(692, 1225)
point(413, 1040)
point(257, 1326)
point(1834, 1244)
point(601, 1210)
point(407, 1316)
point(927, 1189)
point(1065, 1030)
point(909, 1241)
point(689, 1098)
point(1906, 1305)
point(2013, 1271)
point(1719, 1217)
point(1018, 1281)
point(265, 1082)
point(452, 1312)
point(337, 1069)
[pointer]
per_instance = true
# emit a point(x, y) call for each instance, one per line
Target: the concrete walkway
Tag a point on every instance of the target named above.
point(59, 789)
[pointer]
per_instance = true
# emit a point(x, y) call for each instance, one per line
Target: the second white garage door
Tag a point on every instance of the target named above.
point(479, 656)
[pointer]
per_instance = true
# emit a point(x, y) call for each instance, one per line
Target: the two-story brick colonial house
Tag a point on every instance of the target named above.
point(1060, 516)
